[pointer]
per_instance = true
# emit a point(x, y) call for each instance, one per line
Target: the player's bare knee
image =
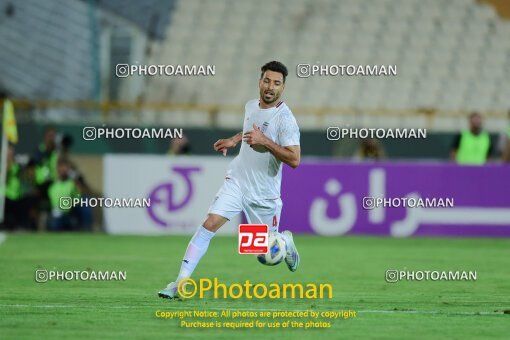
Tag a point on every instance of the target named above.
point(209, 225)
point(213, 222)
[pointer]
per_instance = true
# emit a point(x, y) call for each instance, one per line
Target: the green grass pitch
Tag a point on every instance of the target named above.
point(355, 266)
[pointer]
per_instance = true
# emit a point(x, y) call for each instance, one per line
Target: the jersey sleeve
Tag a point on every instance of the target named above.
point(288, 133)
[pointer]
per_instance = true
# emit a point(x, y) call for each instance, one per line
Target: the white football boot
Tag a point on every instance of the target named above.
point(292, 258)
point(170, 292)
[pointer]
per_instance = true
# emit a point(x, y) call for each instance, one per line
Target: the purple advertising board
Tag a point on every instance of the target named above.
point(334, 198)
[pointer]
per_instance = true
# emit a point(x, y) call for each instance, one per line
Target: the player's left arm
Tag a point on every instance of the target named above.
point(290, 155)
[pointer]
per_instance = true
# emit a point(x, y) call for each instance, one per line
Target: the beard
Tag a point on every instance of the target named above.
point(269, 97)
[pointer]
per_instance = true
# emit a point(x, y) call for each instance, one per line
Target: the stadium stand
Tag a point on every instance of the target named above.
point(451, 55)
point(34, 37)
point(50, 49)
point(151, 16)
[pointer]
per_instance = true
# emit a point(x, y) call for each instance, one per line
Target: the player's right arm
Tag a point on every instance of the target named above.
point(223, 145)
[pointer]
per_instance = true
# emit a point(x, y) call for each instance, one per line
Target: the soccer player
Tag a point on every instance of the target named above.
point(270, 136)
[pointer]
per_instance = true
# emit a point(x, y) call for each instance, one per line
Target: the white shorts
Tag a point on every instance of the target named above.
point(230, 201)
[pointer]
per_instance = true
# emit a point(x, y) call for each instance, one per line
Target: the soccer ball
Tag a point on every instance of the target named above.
point(277, 250)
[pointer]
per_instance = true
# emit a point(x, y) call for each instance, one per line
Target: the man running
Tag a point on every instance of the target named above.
point(270, 136)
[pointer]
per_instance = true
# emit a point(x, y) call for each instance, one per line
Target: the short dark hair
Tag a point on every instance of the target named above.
point(63, 161)
point(474, 114)
point(274, 66)
point(49, 128)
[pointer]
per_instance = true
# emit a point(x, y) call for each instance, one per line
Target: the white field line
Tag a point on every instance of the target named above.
point(432, 312)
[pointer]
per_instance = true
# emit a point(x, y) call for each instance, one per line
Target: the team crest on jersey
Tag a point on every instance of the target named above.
point(264, 127)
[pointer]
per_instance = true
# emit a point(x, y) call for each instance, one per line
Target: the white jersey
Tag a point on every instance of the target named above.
point(259, 174)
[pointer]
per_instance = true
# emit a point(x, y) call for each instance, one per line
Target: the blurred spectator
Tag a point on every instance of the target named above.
point(61, 192)
point(21, 194)
point(64, 144)
point(369, 149)
point(13, 194)
point(472, 146)
point(179, 146)
point(505, 142)
point(84, 214)
point(31, 195)
point(46, 157)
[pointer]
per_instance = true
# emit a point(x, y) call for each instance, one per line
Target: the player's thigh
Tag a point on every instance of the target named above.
point(226, 205)
point(264, 212)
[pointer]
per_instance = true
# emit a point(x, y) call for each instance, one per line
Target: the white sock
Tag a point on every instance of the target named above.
point(196, 249)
